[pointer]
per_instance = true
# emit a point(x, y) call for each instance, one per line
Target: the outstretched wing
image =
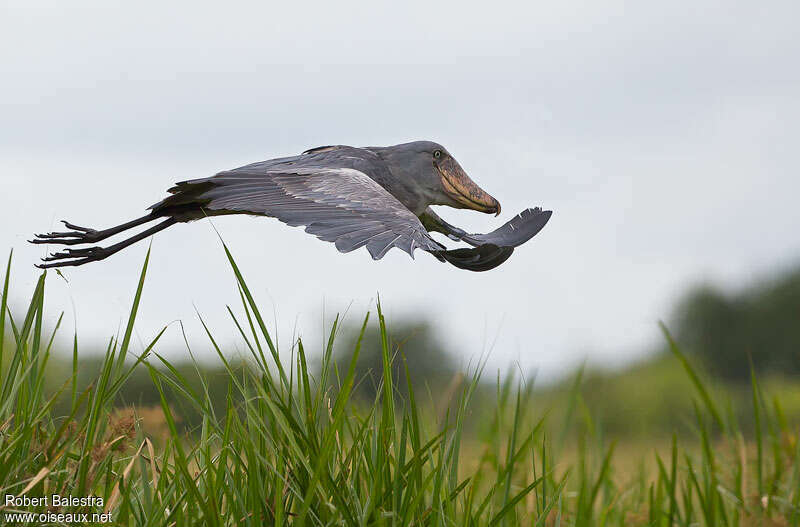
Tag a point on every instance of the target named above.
point(514, 232)
point(339, 205)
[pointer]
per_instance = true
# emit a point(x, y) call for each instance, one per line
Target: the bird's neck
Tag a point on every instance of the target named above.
point(399, 184)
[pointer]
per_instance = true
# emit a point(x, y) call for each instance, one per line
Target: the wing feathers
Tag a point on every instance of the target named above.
point(339, 205)
point(381, 244)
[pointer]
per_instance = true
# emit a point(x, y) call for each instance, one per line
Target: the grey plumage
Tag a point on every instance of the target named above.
point(353, 197)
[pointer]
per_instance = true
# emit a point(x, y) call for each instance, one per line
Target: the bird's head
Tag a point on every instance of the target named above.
point(433, 169)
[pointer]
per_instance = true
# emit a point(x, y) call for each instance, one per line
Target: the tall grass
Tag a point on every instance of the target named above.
point(294, 447)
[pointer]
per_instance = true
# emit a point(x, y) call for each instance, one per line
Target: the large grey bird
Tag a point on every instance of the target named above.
point(378, 197)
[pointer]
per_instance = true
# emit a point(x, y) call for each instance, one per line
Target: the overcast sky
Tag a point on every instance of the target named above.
point(663, 136)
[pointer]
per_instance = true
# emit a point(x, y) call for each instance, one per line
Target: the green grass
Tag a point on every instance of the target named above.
point(292, 446)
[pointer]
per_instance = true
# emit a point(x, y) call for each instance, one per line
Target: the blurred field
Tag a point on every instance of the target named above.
point(385, 430)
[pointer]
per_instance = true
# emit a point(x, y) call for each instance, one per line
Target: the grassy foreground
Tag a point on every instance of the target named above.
point(296, 448)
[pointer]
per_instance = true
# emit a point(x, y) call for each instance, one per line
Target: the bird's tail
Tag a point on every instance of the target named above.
point(185, 195)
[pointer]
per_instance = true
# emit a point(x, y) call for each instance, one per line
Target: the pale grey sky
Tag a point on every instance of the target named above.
point(663, 135)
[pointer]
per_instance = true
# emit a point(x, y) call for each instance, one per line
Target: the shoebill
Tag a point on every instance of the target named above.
point(374, 197)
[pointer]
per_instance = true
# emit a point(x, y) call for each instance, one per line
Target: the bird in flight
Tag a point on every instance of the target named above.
point(373, 197)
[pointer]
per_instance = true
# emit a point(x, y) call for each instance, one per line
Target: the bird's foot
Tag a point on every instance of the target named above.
point(76, 236)
point(74, 257)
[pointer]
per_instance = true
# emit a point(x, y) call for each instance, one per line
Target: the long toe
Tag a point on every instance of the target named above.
point(77, 227)
point(76, 253)
point(68, 234)
point(63, 241)
point(66, 263)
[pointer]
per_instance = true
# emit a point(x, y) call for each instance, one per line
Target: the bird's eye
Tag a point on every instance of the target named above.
point(437, 154)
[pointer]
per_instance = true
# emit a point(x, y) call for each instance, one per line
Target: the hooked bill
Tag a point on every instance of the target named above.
point(458, 185)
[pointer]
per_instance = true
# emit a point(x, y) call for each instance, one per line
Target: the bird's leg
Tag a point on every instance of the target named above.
point(79, 235)
point(74, 257)
point(433, 223)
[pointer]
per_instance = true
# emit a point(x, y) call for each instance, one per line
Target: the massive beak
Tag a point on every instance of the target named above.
point(463, 190)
